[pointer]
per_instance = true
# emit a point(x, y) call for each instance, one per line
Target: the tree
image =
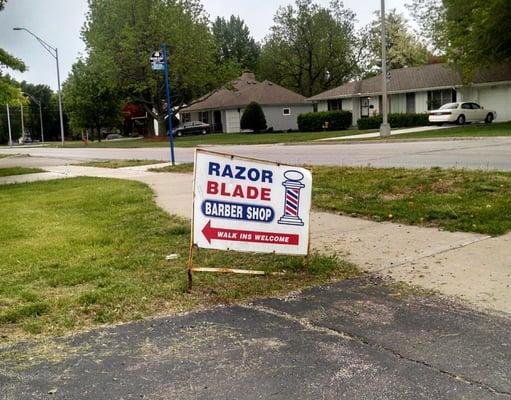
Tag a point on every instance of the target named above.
point(91, 100)
point(121, 35)
point(472, 34)
point(9, 93)
point(45, 95)
point(253, 118)
point(310, 48)
point(235, 43)
point(404, 49)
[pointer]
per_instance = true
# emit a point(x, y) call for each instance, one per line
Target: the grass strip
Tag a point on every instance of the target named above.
point(87, 251)
point(218, 139)
point(12, 171)
point(115, 164)
point(452, 199)
point(179, 168)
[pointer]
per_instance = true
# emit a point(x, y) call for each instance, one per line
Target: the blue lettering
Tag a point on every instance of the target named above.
point(214, 169)
point(242, 173)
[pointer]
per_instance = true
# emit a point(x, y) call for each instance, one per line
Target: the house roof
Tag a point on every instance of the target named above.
point(413, 79)
point(243, 91)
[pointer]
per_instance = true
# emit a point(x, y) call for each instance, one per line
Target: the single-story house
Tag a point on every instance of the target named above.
point(222, 109)
point(419, 89)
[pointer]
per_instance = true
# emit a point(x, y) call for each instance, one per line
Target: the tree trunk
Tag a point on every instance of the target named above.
point(162, 126)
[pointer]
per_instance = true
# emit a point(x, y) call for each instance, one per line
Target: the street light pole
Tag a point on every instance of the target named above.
point(55, 54)
point(60, 98)
point(385, 127)
point(22, 122)
point(38, 102)
point(9, 125)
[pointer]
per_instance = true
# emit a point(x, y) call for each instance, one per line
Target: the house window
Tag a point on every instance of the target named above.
point(437, 98)
point(204, 117)
point(286, 111)
point(410, 102)
point(335, 104)
point(186, 117)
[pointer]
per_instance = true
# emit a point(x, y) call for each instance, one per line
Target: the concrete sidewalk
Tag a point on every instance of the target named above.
point(473, 267)
point(395, 132)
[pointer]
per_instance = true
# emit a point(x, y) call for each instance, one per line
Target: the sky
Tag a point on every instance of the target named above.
point(59, 23)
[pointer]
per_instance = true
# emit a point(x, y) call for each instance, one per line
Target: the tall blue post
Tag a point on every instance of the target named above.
point(169, 107)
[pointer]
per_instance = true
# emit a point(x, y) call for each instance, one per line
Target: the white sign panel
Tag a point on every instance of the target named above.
point(248, 205)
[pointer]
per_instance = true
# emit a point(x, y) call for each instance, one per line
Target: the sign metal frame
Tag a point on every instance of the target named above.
point(191, 268)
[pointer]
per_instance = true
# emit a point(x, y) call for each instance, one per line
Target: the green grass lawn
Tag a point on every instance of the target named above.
point(219, 139)
point(85, 251)
point(472, 130)
point(115, 164)
point(11, 171)
point(455, 200)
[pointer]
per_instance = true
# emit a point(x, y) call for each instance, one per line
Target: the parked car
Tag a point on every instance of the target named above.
point(192, 128)
point(460, 113)
point(113, 136)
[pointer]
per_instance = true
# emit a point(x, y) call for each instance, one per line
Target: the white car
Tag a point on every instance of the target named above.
point(460, 113)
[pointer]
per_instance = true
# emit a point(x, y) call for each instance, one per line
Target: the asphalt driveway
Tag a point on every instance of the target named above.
point(356, 340)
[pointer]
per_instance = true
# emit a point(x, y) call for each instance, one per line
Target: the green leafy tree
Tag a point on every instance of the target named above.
point(91, 100)
point(253, 118)
point(404, 48)
point(9, 93)
point(310, 48)
point(45, 95)
point(122, 35)
point(235, 43)
point(471, 33)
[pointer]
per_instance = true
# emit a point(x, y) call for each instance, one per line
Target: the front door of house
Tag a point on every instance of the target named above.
point(364, 107)
point(217, 121)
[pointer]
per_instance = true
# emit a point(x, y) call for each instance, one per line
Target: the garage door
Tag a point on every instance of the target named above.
point(497, 98)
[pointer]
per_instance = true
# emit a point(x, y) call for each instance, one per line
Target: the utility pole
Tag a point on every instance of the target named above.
point(9, 125)
point(385, 127)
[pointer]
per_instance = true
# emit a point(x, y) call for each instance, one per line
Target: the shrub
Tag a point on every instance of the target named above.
point(396, 120)
point(253, 118)
point(327, 120)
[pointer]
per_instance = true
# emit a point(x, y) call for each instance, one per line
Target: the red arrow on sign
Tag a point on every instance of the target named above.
point(236, 235)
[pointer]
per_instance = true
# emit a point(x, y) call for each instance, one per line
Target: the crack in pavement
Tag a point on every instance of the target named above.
point(432, 254)
point(364, 341)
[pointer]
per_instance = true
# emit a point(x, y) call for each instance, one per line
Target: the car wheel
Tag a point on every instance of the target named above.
point(179, 134)
point(204, 131)
point(489, 118)
point(461, 120)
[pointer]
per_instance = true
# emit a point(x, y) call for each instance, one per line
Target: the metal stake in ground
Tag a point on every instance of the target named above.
point(169, 107)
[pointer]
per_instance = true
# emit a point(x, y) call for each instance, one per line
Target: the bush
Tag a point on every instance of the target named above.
point(396, 120)
point(328, 120)
point(253, 118)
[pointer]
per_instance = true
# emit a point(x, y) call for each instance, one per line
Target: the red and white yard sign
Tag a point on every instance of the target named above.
point(249, 205)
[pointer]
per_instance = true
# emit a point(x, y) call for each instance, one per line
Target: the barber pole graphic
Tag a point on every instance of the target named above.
point(294, 186)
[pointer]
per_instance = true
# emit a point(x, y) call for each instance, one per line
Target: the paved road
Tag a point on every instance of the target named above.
point(353, 340)
point(490, 153)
